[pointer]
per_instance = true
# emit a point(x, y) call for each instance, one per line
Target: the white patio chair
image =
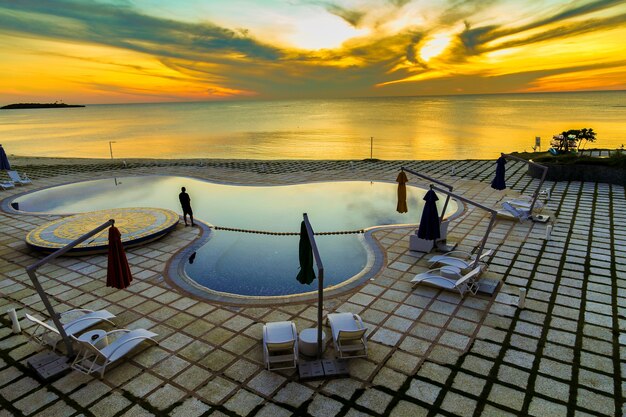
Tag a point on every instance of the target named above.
point(348, 335)
point(46, 333)
point(464, 261)
point(94, 360)
point(280, 345)
point(19, 179)
point(461, 283)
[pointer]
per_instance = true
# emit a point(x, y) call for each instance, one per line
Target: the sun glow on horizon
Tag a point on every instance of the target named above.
point(435, 46)
point(323, 32)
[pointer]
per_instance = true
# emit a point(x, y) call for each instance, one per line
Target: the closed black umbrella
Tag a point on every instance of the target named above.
point(4, 161)
point(499, 182)
point(429, 224)
point(306, 274)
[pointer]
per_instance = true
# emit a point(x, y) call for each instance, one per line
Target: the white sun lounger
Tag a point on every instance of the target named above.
point(464, 262)
point(19, 179)
point(280, 345)
point(45, 333)
point(92, 360)
point(462, 284)
point(348, 335)
point(511, 212)
point(525, 202)
point(5, 185)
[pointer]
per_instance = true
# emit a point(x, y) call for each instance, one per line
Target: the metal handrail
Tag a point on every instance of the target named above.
point(436, 181)
point(487, 209)
point(30, 270)
point(320, 282)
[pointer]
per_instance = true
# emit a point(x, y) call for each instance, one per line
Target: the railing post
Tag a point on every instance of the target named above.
point(320, 283)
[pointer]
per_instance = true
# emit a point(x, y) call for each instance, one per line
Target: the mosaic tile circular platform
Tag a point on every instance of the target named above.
point(137, 226)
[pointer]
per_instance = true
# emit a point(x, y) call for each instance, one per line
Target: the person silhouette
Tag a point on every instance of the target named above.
point(185, 203)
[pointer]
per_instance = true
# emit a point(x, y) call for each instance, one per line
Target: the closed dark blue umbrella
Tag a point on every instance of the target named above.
point(306, 274)
point(4, 161)
point(429, 225)
point(499, 182)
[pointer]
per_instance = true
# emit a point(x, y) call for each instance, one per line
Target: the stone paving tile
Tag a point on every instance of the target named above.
point(216, 390)
point(111, 405)
point(35, 401)
point(191, 407)
point(374, 400)
point(407, 409)
point(322, 406)
point(423, 391)
point(266, 383)
point(417, 334)
point(293, 394)
point(58, 409)
point(243, 402)
point(272, 410)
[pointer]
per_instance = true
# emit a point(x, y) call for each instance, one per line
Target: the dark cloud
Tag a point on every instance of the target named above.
point(353, 17)
point(122, 26)
point(565, 31)
point(475, 41)
point(399, 3)
point(458, 10)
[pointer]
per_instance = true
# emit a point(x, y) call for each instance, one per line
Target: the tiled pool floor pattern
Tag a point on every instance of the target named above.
point(431, 353)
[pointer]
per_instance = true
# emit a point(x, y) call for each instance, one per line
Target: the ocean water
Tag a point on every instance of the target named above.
point(436, 127)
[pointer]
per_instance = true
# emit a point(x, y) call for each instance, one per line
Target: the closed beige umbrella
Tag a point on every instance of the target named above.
point(402, 180)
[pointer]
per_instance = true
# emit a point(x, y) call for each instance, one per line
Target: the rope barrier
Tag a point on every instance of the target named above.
point(265, 232)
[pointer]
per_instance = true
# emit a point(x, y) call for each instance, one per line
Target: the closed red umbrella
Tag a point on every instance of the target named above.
point(118, 271)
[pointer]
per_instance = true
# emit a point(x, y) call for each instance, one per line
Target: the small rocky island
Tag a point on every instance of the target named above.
point(38, 106)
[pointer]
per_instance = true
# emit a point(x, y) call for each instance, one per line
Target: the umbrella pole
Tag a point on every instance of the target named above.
point(30, 270)
point(543, 177)
point(320, 283)
point(436, 181)
point(492, 212)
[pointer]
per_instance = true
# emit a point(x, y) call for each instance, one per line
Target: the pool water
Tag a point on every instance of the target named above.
point(250, 263)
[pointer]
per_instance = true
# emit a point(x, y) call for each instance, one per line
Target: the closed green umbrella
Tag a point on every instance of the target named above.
point(306, 274)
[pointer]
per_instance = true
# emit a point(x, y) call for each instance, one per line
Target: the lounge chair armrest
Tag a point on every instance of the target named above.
point(358, 319)
point(77, 310)
point(118, 331)
point(459, 252)
point(433, 270)
point(126, 342)
point(453, 281)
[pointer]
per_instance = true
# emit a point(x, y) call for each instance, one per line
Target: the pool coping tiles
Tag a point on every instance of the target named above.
point(430, 352)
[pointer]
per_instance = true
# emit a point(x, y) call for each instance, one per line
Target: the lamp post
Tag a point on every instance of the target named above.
point(111, 142)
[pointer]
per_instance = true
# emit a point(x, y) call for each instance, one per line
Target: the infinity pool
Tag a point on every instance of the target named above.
point(252, 264)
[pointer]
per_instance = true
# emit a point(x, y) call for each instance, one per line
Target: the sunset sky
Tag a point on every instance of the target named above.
point(120, 51)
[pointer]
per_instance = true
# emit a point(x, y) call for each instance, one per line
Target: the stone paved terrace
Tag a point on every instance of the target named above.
point(431, 352)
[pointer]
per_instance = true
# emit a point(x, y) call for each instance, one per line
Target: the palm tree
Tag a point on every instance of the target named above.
point(588, 135)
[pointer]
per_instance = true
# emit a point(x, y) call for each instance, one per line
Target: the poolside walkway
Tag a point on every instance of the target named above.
point(431, 352)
